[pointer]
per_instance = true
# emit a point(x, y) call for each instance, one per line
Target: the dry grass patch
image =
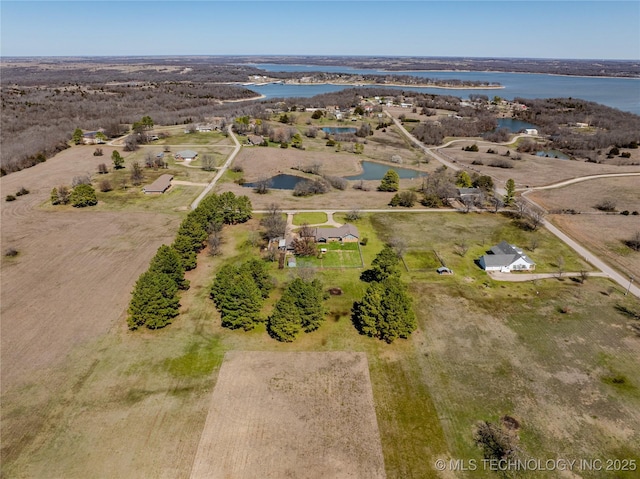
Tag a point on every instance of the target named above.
point(531, 170)
point(291, 415)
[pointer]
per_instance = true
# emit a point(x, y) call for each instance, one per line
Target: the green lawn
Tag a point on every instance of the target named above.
point(346, 255)
point(312, 218)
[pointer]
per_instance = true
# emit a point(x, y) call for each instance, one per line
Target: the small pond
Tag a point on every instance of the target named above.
point(514, 126)
point(375, 171)
point(280, 182)
point(338, 130)
point(552, 154)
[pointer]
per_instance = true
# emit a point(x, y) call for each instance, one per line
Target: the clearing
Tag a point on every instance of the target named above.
point(306, 414)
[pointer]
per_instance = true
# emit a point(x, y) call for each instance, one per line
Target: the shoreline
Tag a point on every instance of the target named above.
point(398, 85)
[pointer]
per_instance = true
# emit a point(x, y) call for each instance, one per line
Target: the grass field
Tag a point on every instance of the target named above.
point(483, 349)
point(345, 255)
point(84, 397)
point(314, 218)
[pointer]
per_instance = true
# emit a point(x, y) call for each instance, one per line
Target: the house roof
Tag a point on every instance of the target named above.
point(505, 254)
point(187, 154)
point(160, 185)
point(468, 191)
point(344, 230)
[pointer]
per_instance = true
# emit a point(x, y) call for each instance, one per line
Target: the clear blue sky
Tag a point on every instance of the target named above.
point(531, 28)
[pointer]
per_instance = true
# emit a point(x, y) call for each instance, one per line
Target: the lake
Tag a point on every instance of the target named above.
point(514, 126)
point(375, 171)
point(338, 130)
point(280, 182)
point(621, 93)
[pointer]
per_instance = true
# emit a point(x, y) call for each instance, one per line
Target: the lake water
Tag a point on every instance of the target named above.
point(281, 182)
point(514, 126)
point(621, 93)
point(375, 171)
point(338, 130)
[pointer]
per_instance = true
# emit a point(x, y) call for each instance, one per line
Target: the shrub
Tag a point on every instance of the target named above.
point(337, 182)
point(501, 164)
point(11, 252)
point(10, 198)
point(102, 169)
point(97, 152)
point(607, 204)
point(22, 191)
point(83, 195)
point(105, 186)
point(473, 147)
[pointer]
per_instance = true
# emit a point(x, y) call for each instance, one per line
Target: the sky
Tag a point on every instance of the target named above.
point(505, 28)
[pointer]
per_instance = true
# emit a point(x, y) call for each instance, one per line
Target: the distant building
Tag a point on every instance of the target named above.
point(92, 137)
point(531, 131)
point(186, 155)
point(162, 184)
point(506, 258)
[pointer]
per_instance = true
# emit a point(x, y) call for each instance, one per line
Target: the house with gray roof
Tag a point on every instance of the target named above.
point(505, 257)
point(186, 155)
point(347, 233)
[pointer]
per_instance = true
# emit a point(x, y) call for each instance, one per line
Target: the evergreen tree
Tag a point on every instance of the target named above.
point(260, 275)
point(284, 323)
point(83, 195)
point(390, 181)
point(365, 313)
point(383, 265)
point(237, 297)
point(117, 159)
point(299, 308)
point(77, 136)
point(511, 191)
point(168, 261)
point(184, 246)
point(154, 301)
point(385, 311)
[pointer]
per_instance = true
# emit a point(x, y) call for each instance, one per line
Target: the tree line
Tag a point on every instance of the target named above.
point(155, 302)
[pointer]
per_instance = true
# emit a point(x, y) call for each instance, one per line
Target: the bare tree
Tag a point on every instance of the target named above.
point(399, 245)
point(462, 247)
point(534, 243)
point(137, 174)
point(262, 185)
point(353, 215)
point(102, 169)
point(208, 162)
point(80, 180)
point(560, 266)
point(105, 186)
point(497, 203)
point(535, 216)
point(274, 222)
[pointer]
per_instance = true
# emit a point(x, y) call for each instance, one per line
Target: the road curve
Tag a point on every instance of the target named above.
point(221, 171)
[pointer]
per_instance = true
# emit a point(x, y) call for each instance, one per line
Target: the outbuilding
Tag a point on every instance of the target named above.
point(162, 184)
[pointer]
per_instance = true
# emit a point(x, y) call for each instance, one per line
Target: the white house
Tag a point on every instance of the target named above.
point(506, 258)
point(531, 131)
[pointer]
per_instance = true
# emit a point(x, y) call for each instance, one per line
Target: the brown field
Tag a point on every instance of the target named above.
point(306, 414)
point(70, 282)
point(531, 170)
point(260, 162)
point(604, 234)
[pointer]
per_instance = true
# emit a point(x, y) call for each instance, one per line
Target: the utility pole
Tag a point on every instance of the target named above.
point(629, 287)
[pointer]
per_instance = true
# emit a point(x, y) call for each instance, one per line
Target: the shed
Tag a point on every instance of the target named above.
point(162, 184)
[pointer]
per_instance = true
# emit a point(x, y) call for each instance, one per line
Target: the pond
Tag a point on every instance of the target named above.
point(375, 171)
point(552, 154)
point(514, 126)
point(338, 130)
point(280, 182)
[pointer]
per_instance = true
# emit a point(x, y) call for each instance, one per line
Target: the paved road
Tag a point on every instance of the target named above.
point(521, 277)
point(579, 179)
point(221, 171)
